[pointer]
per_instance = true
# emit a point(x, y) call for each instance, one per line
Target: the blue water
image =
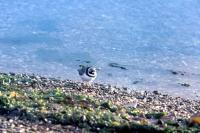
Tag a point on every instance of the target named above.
point(147, 37)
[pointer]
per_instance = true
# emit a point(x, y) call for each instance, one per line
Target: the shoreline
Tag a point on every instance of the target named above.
point(142, 103)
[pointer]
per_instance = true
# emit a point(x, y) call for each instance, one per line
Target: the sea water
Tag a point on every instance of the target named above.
point(140, 44)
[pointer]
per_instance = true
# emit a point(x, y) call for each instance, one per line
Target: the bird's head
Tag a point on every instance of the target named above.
point(92, 72)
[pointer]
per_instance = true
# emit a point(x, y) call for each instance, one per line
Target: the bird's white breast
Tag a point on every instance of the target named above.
point(86, 78)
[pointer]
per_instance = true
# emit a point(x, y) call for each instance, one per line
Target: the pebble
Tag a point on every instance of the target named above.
point(156, 92)
point(146, 101)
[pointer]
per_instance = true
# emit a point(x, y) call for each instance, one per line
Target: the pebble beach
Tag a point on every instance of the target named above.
point(31, 103)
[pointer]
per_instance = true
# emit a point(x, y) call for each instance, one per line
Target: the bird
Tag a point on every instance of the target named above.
point(87, 73)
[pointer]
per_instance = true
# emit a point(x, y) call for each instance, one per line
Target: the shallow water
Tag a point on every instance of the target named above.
point(150, 39)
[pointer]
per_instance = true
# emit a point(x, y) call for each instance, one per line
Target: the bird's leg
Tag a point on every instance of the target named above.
point(85, 84)
point(88, 84)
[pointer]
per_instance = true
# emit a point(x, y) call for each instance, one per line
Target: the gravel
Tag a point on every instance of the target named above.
point(144, 100)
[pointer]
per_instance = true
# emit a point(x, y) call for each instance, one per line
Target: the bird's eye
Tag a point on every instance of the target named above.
point(91, 71)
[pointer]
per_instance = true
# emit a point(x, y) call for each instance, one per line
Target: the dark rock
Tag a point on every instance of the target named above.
point(15, 112)
point(156, 92)
point(185, 84)
point(140, 97)
point(149, 99)
point(135, 82)
point(174, 72)
point(170, 106)
point(12, 74)
point(165, 95)
point(3, 111)
point(177, 72)
point(116, 65)
point(161, 122)
point(125, 88)
point(181, 103)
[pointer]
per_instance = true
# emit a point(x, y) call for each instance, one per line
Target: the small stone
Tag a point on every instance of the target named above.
point(135, 82)
point(11, 120)
point(12, 125)
point(160, 122)
point(125, 88)
point(174, 72)
point(156, 92)
point(185, 84)
point(22, 130)
point(116, 65)
point(149, 99)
